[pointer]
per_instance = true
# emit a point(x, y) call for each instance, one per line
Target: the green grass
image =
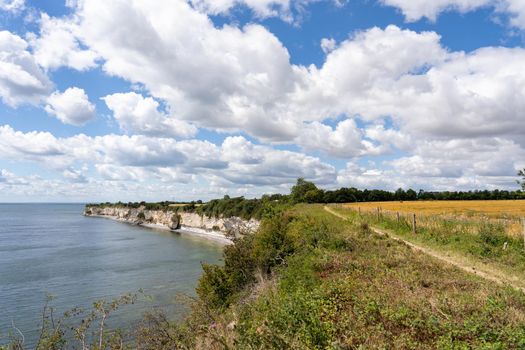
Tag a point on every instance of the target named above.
point(477, 240)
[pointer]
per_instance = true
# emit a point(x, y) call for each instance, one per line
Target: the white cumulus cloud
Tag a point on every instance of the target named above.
point(226, 78)
point(261, 8)
point(12, 5)
point(71, 106)
point(137, 114)
point(57, 45)
point(164, 158)
point(343, 141)
point(414, 10)
point(456, 117)
point(425, 89)
point(21, 78)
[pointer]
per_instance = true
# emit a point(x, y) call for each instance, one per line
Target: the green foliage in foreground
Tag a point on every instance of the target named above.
point(308, 280)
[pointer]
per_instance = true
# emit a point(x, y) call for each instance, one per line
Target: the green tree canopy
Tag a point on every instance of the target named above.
point(301, 188)
point(522, 182)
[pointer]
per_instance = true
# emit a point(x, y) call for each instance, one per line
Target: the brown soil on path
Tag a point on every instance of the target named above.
point(483, 271)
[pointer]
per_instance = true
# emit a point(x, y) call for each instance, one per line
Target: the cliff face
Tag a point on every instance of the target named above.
point(173, 221)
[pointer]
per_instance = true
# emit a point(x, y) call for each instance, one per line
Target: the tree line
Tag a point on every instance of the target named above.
point(307, 192)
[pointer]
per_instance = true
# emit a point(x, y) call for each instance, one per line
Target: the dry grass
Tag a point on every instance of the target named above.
point(508, 213)
point(493, 209)
point(184, 204)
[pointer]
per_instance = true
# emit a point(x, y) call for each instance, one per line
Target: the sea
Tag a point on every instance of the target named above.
point(53, 251)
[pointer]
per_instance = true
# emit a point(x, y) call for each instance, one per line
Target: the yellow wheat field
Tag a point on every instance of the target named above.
point(494, 209)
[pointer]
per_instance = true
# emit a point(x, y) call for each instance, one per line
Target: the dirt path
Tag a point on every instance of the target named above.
point(476, 269)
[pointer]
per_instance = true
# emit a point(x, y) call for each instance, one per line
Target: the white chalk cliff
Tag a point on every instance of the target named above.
point(232, 226)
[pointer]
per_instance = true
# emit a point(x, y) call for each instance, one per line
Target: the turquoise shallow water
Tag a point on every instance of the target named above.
point(53, 249)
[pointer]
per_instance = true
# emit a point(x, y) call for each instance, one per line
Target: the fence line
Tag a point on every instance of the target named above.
point(444, 216)
point(513, 227)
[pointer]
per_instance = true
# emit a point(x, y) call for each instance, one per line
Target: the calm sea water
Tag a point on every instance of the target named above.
point(53, 249)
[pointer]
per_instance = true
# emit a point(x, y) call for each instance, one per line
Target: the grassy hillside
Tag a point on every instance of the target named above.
point(309, 280)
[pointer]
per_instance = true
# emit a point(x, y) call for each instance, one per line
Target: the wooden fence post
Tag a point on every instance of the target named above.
point(397, 217)
point(359, 210)
point(378, 214)
point(414, 230)
point(523, 221)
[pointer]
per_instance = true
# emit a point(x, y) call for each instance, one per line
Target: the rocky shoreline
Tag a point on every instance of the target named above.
point(219, 229)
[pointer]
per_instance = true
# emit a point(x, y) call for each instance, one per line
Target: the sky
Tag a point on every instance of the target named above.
point(193, 99)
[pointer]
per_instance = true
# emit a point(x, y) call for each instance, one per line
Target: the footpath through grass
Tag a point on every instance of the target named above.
point(480, 243)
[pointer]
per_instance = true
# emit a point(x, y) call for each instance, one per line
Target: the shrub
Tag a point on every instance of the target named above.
point(273, 243)
point(77, 328)
point(157, 331)
point(239, 262)
point(492, 234)
point(214, 287)
point(259, 252)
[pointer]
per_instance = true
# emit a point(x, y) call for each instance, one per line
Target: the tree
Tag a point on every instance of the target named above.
point(400, 195)
point(411, 195)
point(314, 196)
point(522, 182)
point(300, 189)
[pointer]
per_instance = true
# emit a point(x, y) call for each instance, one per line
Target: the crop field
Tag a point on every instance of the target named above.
point(493, 209)
point(508, 214)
